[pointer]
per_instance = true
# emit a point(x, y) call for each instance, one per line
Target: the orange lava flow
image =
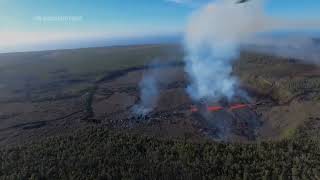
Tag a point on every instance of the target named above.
point(194, 109)
point(214, 108)
point(238, 106)
point(210, 108)
point(219, 108)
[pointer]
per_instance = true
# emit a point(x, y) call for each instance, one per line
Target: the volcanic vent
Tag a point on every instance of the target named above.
point(226, 119)
point(174, 113)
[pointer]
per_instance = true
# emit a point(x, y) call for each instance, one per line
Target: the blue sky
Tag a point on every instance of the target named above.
point(117, 18)
point(109, 15)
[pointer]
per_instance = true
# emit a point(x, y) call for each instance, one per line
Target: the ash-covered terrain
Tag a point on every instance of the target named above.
point(41, 96)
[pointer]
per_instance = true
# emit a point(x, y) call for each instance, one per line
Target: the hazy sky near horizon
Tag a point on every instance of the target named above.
point(31, 21)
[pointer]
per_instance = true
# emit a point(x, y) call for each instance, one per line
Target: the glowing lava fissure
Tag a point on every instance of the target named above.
point(220, 108)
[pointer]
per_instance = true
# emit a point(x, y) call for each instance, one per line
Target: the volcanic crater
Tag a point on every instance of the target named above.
point(175, 114)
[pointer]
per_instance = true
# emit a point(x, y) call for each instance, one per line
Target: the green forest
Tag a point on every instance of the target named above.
point(97, 153)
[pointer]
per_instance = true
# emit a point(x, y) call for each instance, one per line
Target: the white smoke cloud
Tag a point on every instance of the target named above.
point(225, 21)
point(212, 41)
point(149, 92)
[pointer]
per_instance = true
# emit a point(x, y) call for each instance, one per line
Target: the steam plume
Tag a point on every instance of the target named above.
point(149, 93)
point(214, 34)
point(212, 41)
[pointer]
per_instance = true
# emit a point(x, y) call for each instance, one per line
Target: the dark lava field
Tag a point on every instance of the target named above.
point(52, 93)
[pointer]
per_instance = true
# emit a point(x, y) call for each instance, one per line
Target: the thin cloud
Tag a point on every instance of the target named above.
point(191, 3)
point(179, 1)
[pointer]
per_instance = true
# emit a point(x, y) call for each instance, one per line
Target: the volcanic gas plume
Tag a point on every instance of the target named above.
point(149, 92)
point(212, 41)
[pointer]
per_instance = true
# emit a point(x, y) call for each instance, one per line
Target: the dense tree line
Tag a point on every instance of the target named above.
point(97, 153)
